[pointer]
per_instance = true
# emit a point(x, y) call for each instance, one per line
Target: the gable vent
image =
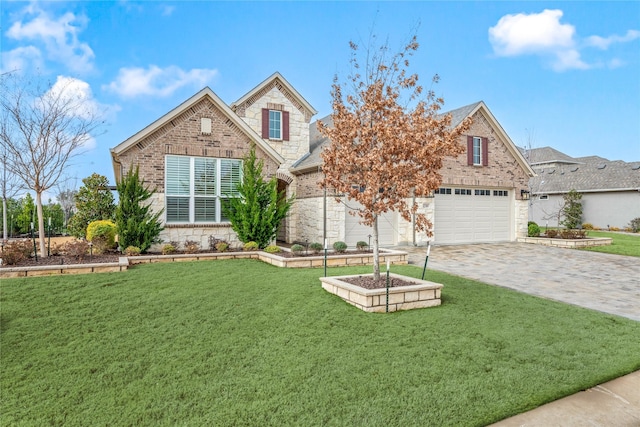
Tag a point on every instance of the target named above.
point(205, 126)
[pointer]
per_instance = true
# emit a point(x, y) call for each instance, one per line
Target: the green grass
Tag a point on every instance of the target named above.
point(623, 244)
point(240, 342)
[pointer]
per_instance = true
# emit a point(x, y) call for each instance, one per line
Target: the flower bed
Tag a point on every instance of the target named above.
point(417, 294)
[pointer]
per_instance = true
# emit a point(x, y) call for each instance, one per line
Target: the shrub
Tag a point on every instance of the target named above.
point(255, 207)
point(316, 247)
point(137, 224)
point(168, 249)
point(297, 249)
point(587, 226)
point(533, 230)
point(634, 225)
point(250, 246)
point(56, 249)
point(76, 248)
point(272, 249)
point(191, 246)
point(551, 233)
point(102, 234)
point(362, 246)
point(16, 251)
point(132, 251)
point(340, 247)
point(221, 246)
point(213, 241)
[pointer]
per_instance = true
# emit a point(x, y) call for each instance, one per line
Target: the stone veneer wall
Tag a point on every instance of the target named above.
point(298, 144)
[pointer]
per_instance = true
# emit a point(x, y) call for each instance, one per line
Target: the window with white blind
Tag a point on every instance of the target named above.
point(196, 188)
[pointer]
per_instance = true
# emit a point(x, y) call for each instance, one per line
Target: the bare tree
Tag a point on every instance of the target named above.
point(66, 197)
point(42, 128)
point(383, 153)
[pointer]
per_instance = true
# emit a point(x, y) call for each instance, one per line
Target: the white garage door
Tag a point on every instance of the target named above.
point(467, 215)
point(355, 232)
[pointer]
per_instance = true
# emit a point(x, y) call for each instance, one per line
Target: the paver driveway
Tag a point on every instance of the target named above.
point(604, 282)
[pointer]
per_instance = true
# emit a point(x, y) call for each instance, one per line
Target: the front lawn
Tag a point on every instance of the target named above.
point(240, 342)
point(623, 244)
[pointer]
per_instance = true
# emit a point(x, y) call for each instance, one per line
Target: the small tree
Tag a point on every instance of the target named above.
point(94, 202)
point(136, 223)
point(572, 209)
point(384, 154)
point(42, 128)
point(257, 208)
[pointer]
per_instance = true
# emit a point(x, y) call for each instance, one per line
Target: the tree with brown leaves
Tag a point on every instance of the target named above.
point(382, 153)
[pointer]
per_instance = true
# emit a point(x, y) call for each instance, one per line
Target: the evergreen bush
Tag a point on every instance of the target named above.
point(136, 224)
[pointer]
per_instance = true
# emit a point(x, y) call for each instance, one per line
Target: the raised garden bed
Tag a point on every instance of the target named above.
point(568, 243)
point(333, 260)
point(415, 294)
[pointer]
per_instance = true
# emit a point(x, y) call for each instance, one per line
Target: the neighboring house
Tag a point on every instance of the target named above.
point(610, 189)
point(193, 155)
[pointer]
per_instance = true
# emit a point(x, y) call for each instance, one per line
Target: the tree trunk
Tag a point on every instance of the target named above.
point(4, 218)
point(41, 230)
point(376, 251)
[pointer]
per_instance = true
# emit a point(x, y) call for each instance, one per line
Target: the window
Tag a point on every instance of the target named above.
point(443, 191)
point(463, 191)
point(544, 197)
point(477, 151)
point(501, 193)
point(482, 192)
point(196, 188)
point(275, 124)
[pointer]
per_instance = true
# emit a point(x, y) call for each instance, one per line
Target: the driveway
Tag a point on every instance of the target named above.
point(603, 282)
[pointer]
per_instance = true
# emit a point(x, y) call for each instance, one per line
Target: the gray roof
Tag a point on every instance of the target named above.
point(583, 174)
point(317, 141)
point(539, 156)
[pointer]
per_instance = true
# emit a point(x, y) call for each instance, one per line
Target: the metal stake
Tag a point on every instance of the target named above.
point(35, 249)
point(325, 257)
point(387, 286)
point(49, 242)
point(426, 259)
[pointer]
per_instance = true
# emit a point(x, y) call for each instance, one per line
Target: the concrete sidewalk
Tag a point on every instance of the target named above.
point(603, 282)
point(612, 404)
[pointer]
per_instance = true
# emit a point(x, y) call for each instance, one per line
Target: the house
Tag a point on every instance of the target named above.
point(610, 189)
point(193, 157)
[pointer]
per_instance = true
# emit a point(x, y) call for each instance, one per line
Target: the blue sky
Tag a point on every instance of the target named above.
point(560, 74)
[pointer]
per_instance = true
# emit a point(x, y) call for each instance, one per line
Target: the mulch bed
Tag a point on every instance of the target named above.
point(368, 282)
point(64, 260)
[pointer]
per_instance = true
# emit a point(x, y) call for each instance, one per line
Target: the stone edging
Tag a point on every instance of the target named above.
point(394, 256)
point(568, 243)
point(421, 294)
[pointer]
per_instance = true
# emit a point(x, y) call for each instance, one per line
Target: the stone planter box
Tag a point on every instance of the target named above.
point(568, 243)
point(334, 259)
point(48, 270)
point(419, 295)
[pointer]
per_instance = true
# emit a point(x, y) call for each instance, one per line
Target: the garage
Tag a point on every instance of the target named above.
point(472, 215)
point(355, 232)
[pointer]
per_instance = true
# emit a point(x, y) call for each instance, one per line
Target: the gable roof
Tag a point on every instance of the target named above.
point(586, 174)
point(180, 109)
point(276, 80)
point(544, 155)
point(317, 141)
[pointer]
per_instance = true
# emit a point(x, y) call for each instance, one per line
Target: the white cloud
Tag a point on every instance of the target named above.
point(543, 34)
point(537, 34)
point(58, 37)
point(168, 10)
point(21, 60)
point(75, 92)
point(156, 81)
point(604, 42)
